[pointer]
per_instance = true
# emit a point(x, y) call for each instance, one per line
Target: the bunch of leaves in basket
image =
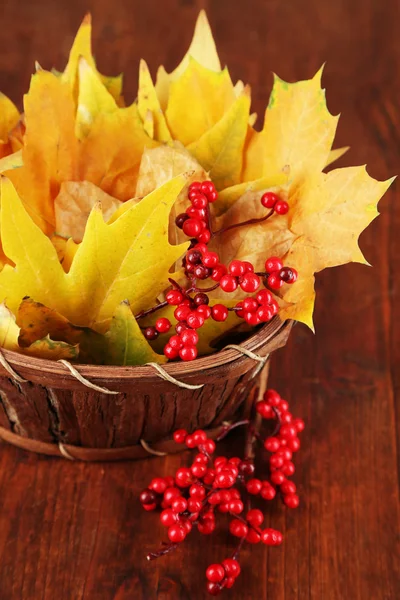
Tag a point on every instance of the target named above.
point(143, 233)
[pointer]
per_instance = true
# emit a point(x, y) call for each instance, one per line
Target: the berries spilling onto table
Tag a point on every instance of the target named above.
point(205, 273)
point(199, 495)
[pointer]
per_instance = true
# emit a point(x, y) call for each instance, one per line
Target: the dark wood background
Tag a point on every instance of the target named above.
point(71, 531)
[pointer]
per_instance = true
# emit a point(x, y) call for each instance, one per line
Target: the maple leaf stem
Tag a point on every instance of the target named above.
point(249, 222)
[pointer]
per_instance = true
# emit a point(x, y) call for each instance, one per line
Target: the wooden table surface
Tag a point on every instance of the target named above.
point(70, 530)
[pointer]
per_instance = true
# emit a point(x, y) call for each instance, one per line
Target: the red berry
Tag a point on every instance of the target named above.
point(273, 264)
point(238, 529)
point(220, 461)
point(272, 397)
point(225, 479)
point(195, 186)
point(253, 537)
point(278, 477)
point(271, 537)
point(181, 312)
point(237, 268)
point(274, 281)
point(174, 297)
point(170, 494)
point(214, 589)
point(232, 567)
point(268, 492)
point(299, 424)
point(206, 526)
point(236, 507)
point(228, 283)
point(207, 187)
point(204, 236)
point(215, 498)
point(194, 256)
point(265, 314)
point(248, 267)
point(158, 485)
point(218, 272)
point(179, 505)
point(188, 353)
point(201, 272)
point(197, 491)
point(150, 507)
point(215, 573)
point(168, 517)
point(200, 436)
point(175, 342)
point(269, 199)
point(288, 487)
point(288, 275)
point(251, 318)
point(199, 201)
point(208, 446)
point(148, 497)
point(291, 500)
point(192, 228)
point(180, 436)
point(288, 468)
point(288, 431)
point(194, 505)
point(198, 470)
point(264, 409)
point(281, 207)
point(250, 282)
point(212, 196)
point(163, 325)
point(176, 533)
point(272, 444)
point(180, 219)
point(255, 517)
point(170, 352)
point(250, 304)
point(183, 477)
point(204, 310)
point(294, 444)
point(264, 297)
point(210, 259)
point(219, 312)
point(150, 333)
point(195, 320)
point(189, 337)
point(239, 312)
point(254, 486)
point(276, 462)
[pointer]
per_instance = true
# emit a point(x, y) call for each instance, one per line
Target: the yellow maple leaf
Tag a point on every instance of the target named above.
point(129, 259)
point(40, 348)
point(202, 49)
point(149, 107)
point(298, 132)
point(82, 47)
point(126, 343)
point(9, 117)
point(208, 94)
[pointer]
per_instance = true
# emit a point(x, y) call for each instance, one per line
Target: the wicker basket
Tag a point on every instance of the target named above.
point(55, 413)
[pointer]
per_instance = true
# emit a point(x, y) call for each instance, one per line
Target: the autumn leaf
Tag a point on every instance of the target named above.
point(220, 150)
point(9, 117)
point(228, 196)
point(202, 49)
point(298, 132)
point(73, 205)
point(82, 48)
point(41, 348)
point(126, 343)
point(328, 219)
point(37, 322)
point(129, 259)
point(208, 94)
point(334, 155)
point(149, 104)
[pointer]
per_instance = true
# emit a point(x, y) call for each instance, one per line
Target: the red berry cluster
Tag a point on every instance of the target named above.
point(195, 221)
point(197, 494)
point(200, 264)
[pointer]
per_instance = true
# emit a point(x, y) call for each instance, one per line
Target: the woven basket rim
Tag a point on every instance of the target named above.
point(261, 338)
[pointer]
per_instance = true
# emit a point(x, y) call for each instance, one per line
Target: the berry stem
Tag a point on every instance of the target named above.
point(151, 310)
point(228, 428)
point(166, 550)
point(242, 224)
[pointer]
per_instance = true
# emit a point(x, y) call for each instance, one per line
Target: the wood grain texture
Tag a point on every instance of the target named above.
point(75, 531)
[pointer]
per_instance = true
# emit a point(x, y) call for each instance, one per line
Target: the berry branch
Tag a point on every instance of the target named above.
point(196, 495)
point(201, 265)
